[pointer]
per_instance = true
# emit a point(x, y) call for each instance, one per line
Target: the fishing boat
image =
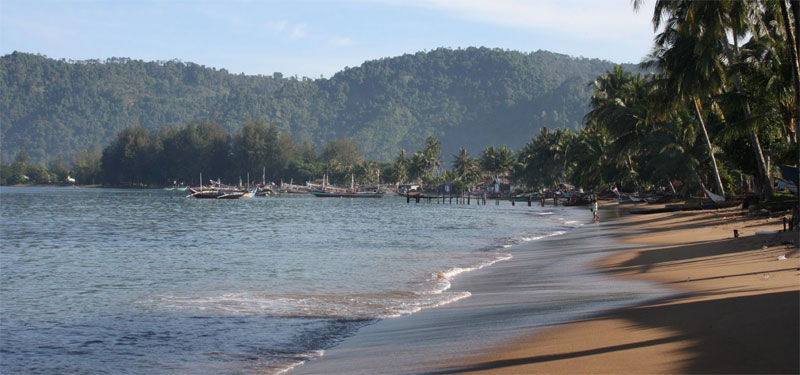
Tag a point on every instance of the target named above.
point(217, 190)
point(346, 194)
point(328, 191)
point(409, 190)
point(214, 193)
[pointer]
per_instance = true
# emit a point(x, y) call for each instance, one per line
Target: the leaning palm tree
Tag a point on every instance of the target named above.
point(711, 22)
point(687, 73)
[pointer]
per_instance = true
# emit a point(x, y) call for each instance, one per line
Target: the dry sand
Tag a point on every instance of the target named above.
point(737, 310)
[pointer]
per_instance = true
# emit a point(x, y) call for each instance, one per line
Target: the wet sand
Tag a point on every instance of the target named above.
point(736, 309)
point(547, 282)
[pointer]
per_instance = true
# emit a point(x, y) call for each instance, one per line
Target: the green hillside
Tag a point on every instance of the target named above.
point(466, 97)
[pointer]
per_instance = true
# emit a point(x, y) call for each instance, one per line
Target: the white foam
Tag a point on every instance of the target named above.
point(379, 305)
point(356, 306)
point(534, 238)
point(306, 357)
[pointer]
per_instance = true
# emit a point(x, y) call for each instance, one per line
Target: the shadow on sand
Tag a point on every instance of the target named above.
point(729, 335)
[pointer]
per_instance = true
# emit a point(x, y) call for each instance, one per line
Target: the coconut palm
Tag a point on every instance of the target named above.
point(418, 167)
point(623, 104)
point(687, 72)
point(496, 160)
point(400, 166)
point(465, 167)
point(432, 153)
point(544, 160)
point(711, 22)
point(589, 157)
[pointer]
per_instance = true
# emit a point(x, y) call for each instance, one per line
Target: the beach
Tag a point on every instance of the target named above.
point(735, 307)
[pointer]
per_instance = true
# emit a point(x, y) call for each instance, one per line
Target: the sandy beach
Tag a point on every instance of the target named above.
point(735, 311)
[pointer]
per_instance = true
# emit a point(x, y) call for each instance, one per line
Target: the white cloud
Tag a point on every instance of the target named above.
point(293, 30)
point(278, 26)
point(338, 42)
point(298, 31)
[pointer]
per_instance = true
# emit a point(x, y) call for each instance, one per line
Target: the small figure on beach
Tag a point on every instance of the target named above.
point(594, 208)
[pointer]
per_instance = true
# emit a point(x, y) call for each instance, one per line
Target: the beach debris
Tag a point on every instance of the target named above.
point(782, 257)
point(764, 247)
point(766, 276)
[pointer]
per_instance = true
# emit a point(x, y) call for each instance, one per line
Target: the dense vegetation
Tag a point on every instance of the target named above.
point(715, 114)
point(465, 97)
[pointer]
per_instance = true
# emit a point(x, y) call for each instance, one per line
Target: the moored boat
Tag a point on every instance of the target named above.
point(346, 194)
point(213, 193)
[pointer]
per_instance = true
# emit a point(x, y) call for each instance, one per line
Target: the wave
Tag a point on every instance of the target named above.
point(346, 307)
point(357, 306)
point(443, 278)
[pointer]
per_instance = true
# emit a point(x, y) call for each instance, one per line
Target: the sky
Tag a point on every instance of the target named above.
point(317, 38)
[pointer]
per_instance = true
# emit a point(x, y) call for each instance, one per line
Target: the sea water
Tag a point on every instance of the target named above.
point(109, 281)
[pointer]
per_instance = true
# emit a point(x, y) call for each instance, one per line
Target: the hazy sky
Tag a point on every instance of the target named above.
point(316, 37)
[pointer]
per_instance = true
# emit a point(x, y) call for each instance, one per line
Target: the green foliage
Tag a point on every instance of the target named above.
point(496, 160)
point(465, 97)
point(544, 160)
point(465, 168)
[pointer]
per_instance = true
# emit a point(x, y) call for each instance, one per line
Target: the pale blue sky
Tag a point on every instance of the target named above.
point(315, 37)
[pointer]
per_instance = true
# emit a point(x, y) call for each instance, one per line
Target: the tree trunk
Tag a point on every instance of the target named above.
point(765, 187)
point(629, 162)
point(717, 179)
point(794, 57)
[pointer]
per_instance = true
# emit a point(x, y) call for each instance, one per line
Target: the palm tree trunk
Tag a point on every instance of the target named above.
point(794, 57)
point(700, 181)
point(671, 186)
point(629, 162)
point(717, 179)
point(763, 172)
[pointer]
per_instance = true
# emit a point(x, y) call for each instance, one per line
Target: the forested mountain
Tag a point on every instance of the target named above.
point(469, 98)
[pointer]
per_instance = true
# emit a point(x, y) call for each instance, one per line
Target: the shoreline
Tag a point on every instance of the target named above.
point(735, 311)
point(546, 283)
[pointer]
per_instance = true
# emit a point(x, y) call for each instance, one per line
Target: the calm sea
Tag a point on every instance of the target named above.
point(96, 281)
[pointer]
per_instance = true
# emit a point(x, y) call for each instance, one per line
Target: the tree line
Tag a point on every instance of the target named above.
point(464, 97)
point(714, 113)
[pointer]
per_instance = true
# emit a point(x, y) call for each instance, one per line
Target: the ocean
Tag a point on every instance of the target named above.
point(111, 281)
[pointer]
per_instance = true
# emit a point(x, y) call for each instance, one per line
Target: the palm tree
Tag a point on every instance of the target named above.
point(400, 166)
point(432, 153)
point(496, 160)
point(589, 155)
point(418, 167)
point(543, 161)
point(464, 166)
point(687, 72)
point(711, 22)
point(623, 104)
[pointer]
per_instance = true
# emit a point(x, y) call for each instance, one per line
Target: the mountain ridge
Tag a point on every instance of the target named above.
point(470, 97)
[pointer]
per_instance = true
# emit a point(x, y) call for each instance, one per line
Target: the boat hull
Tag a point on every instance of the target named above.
point(333, 194)
point(215, 194)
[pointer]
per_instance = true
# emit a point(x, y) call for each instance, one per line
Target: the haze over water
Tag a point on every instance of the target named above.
point(148, 281)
